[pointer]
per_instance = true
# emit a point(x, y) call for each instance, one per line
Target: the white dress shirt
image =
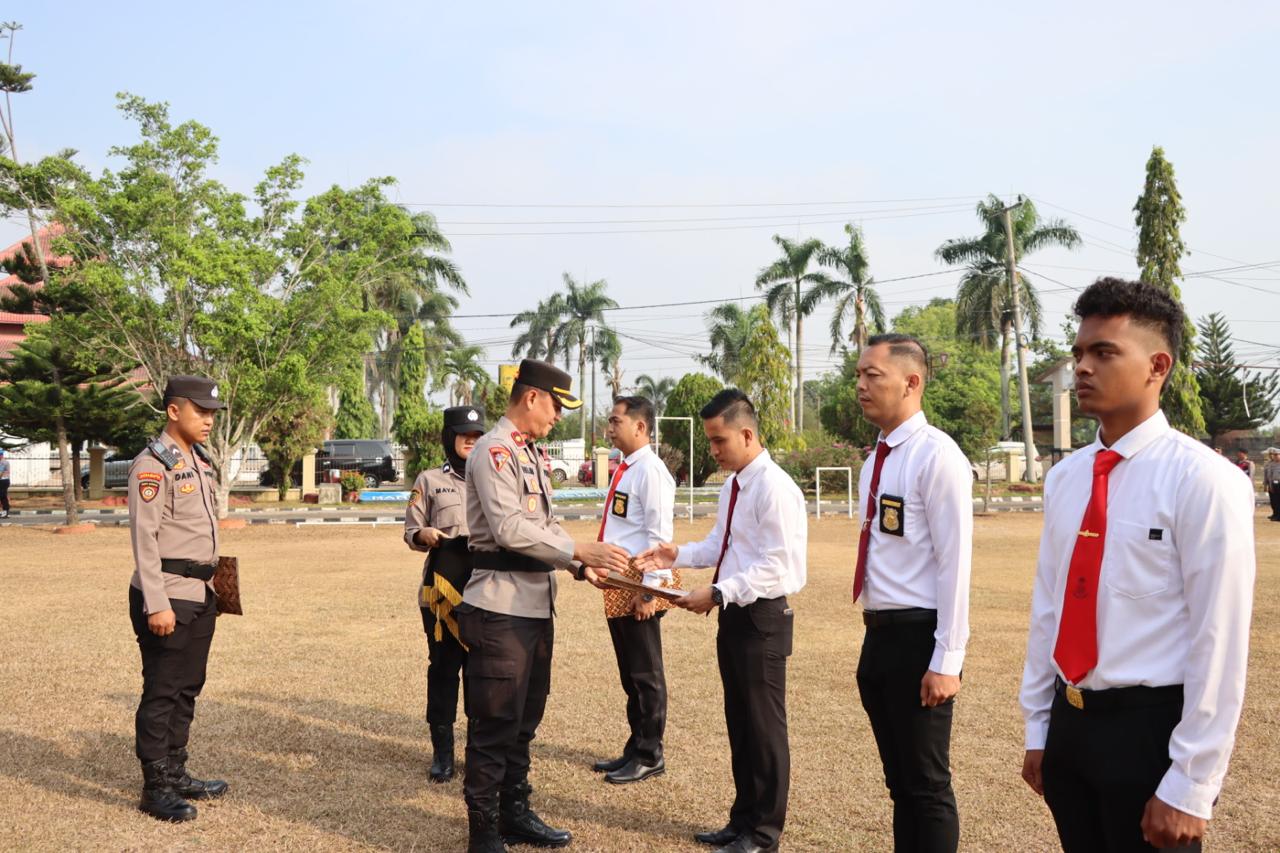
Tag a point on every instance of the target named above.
point(646, 492)
point(1175, 594)
point(768, 539)
point(928, 565)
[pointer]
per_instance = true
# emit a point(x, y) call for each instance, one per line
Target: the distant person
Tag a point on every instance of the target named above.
point(915, 552)
point(4, 485)
point(436, 522)
point(1271, 480)
point(1139, 635)
point(1244, 463)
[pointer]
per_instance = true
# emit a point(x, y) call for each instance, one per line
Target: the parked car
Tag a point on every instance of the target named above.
point(116, 472)
point(586, 471)
point(372, 458)
point(558, 469)
point(999, 453)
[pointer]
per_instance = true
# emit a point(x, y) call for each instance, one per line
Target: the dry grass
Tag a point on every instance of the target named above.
point(313, 710)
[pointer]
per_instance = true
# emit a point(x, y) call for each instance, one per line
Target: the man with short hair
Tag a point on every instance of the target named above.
point(638, 514)
point(758, 548)
point(1139, 634)
point(915, 550)
point(173, 524)
point(505, 618)
point(1244, 463)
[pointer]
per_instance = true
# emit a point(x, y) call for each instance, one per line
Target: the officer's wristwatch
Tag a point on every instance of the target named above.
point(646, 597)
point(717, 597)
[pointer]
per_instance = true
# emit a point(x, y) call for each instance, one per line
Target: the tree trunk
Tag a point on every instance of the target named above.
point(799, 422)
point(860, 327)
point(791, 348)
point(75, 466)
point(1005, 431)
point(582, 380)
point(69, 476)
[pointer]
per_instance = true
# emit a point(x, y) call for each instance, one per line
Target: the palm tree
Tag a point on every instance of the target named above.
point(606, 351)
point(656, 390)
point(783, 282)
point(728, 328)
point(538, 338)
point(463, 365)
point(584, 307)
point(984, 302)
point(853, 291)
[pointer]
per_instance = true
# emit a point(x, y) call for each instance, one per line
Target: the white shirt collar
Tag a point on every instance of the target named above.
point(1133, 441)
point(905, 430)
point(752, 469)
point(638, 455)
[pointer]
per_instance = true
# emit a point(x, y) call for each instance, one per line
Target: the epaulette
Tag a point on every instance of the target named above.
point(446, 468)
point(203, 454)
point(164, 454)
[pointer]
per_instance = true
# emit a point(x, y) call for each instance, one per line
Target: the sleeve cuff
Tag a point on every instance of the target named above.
point(946, 662)
point(565, 557)
point(156, 603)
point(682, 556)
point(1187, 795)
point(1036, 733)
point(410, 539)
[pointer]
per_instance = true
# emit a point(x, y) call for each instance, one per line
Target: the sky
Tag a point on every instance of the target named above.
point(660, 145)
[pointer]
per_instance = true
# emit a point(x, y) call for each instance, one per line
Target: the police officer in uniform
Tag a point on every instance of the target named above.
point(436, 522)
point(173, 518)
point(505, 618)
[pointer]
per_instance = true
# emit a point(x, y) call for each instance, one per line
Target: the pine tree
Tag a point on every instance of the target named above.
point(1159, 218)
point(416, 427)
point(1232, 399)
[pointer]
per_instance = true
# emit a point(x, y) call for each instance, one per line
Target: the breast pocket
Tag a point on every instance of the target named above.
point(188, 502)
point(1138, 559)
point(448, 513)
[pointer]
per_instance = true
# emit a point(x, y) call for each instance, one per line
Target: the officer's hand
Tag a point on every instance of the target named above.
point(936, 688)
point(1031, 763)
point(1165, 826)
point(660, 556)
point(594, 577)
point(644, 609)
point(428, 536)
point(601, 555)
point(699, 601)
point(162, 623)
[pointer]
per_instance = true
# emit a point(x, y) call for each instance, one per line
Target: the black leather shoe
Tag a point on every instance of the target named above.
point(442, 753)
point(184, 785)
point(519, 824)
point(610, 765)
point(158, 797)
point(635, 771)
point(482, 832)
point(744, 844)
point(718, 837)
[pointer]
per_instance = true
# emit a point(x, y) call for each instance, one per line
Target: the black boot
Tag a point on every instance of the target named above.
point(442, 753)
point(483, 834)
point(158, 797)
point(185, 786)
point(521, 825)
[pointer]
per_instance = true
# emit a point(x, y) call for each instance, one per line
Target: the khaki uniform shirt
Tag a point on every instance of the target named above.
point(1271, 474)
point(173, 515)
point(509, 507)
point(439, 500)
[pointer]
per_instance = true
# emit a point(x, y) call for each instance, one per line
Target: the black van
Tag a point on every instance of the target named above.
point(372, 458)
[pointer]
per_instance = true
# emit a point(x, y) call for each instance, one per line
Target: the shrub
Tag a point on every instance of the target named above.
point(800, 464)
point(352, 482)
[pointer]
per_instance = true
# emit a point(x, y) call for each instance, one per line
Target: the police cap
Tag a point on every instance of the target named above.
point(549, 378)
point(203, 392)
point(464, 419)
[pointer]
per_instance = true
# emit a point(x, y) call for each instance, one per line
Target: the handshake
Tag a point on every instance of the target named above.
point(600, 559)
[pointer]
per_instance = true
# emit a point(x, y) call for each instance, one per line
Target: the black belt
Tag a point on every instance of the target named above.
point(503, 560)
point(188, 568)
point(881, 618)
point(1117, 697)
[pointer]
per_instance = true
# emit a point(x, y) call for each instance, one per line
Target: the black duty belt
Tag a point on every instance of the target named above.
point(503, 560)
point(188, 569)
point(1117, 697)
point(881, 618)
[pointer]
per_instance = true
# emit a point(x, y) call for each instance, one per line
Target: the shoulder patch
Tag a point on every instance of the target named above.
point(415, 495)
point(153, 476)
point(518, 438)
point(147, 490)
point(499, 456)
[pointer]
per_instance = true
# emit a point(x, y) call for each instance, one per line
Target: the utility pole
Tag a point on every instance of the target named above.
point(1028, 440)
point(592, 413)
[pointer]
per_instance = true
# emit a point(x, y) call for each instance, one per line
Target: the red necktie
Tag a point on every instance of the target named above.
point(728, 521)
point(864, 538)
point(1077, 648)
point(608, 501)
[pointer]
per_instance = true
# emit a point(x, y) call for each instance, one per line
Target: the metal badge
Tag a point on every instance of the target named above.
point(1075, 697)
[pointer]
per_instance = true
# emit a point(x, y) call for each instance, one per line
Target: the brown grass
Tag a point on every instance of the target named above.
point(313, 710)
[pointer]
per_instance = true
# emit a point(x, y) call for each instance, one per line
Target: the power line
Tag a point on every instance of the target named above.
point(774, 216)
point(686, 205)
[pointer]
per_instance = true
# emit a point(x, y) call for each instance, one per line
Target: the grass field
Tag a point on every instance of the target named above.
point(314, 707)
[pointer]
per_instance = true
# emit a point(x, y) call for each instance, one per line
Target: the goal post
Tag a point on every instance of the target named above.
point(817, 478)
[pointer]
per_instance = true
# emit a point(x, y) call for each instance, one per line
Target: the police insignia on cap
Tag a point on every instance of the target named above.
point(473, 415)
point(213, 392)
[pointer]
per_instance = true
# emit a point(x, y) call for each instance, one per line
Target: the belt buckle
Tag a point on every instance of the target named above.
point(1075, 697)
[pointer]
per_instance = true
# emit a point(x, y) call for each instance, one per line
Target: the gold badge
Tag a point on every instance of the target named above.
point(187, 488)
point(1075, 697)
point(179, 465)
point(531, 484)
point(619, 505)
point(891, 515)
point(532, 503)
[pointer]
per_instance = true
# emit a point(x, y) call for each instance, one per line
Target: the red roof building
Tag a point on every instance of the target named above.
point(13, 326)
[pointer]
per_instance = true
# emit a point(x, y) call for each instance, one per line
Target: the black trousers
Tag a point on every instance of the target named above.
point(752, 647)
point(638, 647)
point(508, 678)
point(1274, 495)
point(173, 672)
point(4, 495)
point(1100, 769)
point(914, 741)
point(446, 661)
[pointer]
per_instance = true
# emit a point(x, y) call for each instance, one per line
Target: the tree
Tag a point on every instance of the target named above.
point(416, 426)
point(658, 391)
point(355, 417)
point(292, 432)
point(984, 301)
point(692, 392)
point(462, 364)
point(179, 278)
point(538, 340)
point(783, 282)
point(606, 352)
point(853, 290)
point(764, 375)
point(1159, 215)
point(1230, 398)
point(728, 328)
point(584, 307)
